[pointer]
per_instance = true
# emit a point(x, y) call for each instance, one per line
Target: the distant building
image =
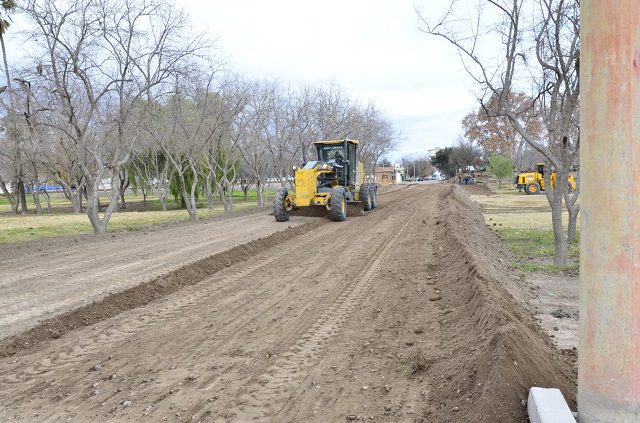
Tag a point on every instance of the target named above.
point(432, 151)
point(385, 175)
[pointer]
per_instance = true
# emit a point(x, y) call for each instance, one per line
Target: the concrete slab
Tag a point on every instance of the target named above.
point(547, 405)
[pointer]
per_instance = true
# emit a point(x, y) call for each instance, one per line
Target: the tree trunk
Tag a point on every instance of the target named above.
point(80, 193)
point(229, 189)
point(572, 232)
point(244, 185)
point(100, 225)
point(21, 198)
point(555, 196)
point(73, 195)
point(46, 194)
point(208, 192)
point(560, 240)
point(163, 193)
point(36, 196)
point(189, 202)
point(22, 195)
point(10, 197)
point(123, 179)
point(93, 209)
point(35, 187)
point(260, 192)
point(223, 197)
point(163, 202)
point(574, 210)
point(144, 196)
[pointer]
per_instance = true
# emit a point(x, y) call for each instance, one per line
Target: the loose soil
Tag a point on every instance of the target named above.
point(554, 302)
point(480, 188)
point(406, 314)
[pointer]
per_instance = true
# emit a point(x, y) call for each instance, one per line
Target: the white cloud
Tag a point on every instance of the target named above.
point(373, 48)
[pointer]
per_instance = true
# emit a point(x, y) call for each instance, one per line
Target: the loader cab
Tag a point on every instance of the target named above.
point(342, 154)
point(541, 169)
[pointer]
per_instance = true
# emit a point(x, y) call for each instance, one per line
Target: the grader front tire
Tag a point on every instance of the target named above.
point(338, 205)
point(279, 206)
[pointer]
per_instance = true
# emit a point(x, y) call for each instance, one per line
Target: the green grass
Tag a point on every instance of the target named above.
point(524, 223)
point(534, 242)
point(547, 268)
point(61, 222)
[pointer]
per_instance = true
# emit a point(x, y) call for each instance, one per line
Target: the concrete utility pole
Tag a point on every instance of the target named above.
point(609, 354)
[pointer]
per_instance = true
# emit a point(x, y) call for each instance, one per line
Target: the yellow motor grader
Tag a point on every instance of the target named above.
point(333, 181)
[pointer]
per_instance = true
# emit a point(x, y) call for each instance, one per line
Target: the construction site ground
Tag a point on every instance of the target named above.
point(551, 297)
point(409, 313)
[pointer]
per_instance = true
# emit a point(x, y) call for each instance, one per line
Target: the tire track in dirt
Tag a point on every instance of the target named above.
point(186, 338)
point(364, 372)
point(265, 398)
point(33, 298)
point(259, 310)
point(141, 321)
point(202, 292)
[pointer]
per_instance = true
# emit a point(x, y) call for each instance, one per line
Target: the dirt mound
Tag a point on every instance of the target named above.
point(479, 188)
point(494, 351)
point(145, 293)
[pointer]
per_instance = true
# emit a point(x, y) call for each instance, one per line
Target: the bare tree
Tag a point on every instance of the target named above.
point(221, 156)
point(544, 47)
point(11, 129)
point(251, 134)
point(464, 155)
point(99, 58)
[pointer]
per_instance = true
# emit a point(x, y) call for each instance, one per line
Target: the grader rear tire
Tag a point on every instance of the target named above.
point(279, 208)
point(338, 205)
point(365, 197)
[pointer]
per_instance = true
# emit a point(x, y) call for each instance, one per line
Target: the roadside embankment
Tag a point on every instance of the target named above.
point(494, 351)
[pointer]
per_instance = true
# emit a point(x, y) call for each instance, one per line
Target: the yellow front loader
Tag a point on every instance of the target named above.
point(533, 182)
point(334, 180)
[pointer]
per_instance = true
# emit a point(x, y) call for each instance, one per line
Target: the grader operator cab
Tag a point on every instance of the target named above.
point(334, 180)
point(533, 182)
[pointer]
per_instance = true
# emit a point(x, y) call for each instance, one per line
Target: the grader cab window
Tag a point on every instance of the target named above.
point(327, 153)
point(345, 158)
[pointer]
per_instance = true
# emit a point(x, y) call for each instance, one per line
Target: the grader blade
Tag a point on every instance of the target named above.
point(355, 209)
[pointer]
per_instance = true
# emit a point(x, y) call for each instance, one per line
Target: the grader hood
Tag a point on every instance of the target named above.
point(306, 187)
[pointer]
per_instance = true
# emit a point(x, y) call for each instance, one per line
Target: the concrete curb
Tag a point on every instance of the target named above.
point(547, 405)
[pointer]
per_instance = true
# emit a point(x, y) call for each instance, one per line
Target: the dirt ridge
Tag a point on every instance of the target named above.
point(144, 293)
point(495, 351)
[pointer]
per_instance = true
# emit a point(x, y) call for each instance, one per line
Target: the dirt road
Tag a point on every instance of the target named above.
point(62, 277)
point(361, 320)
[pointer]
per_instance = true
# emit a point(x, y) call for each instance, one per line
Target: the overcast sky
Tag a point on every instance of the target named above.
point(372, 48)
